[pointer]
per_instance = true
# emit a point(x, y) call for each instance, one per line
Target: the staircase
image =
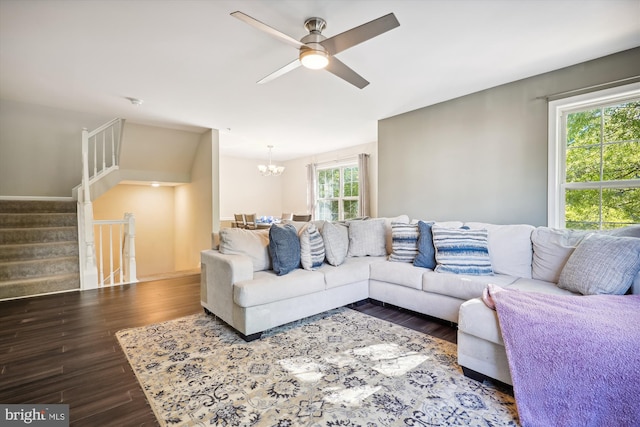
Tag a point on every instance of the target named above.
point(38, 247)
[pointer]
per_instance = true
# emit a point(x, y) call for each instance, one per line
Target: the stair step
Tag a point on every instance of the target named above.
point(23, 220)
point(41, 285)
point(17, 270)
point(34, 206)
point(31, 251)
point(14, 236)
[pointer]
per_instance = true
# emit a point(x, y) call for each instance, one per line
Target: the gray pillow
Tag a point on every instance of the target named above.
point(336, 242)
point(602, 264)
point(284, 247)
point(367, 238)
point(252, 243)
point(311, 247)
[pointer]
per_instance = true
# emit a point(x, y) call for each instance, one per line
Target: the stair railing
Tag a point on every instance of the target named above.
point(116, 262)
point(100, 155)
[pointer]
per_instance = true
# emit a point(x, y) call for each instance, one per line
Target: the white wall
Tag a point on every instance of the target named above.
point(481, 157)
point(40, 149)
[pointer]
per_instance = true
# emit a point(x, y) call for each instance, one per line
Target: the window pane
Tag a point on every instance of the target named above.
point(328, 210)
point(583, 164)
point(582, 209)
point(621, 161)
point(622, 122)
point(350, 209)
point(583, 128)
point(620, 207)
point(350, 182)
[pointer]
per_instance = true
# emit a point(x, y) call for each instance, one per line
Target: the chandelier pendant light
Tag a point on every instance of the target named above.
point(270, 169)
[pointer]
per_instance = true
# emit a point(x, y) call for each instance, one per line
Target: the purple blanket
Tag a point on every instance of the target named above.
point(574, 360)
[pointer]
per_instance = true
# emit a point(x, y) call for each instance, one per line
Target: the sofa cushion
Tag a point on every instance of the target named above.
point(336, 242)
point(602, 264)
point(311, 247)
point(461, 251)
point(355, 269)
point(404, 246)
point(252, 243)
point(367, 238)
point(426, 257)
point(267, 287)
point(284, 248)
point(398, 273)
point(510, 247)
point(475, 318)
point(463, 286)
point(541, 286)
point(551, 249)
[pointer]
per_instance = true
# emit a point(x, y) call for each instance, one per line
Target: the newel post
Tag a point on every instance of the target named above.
point(130, 248)
point(87, 245)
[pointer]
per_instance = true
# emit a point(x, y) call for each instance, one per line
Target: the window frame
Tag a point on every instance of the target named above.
point(557, 110)
point(341, 198)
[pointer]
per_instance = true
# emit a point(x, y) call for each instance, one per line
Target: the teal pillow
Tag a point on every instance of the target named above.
point(426, 252)
point(284, 248)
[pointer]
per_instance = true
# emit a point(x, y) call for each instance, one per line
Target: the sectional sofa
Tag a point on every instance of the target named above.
point(412, 264)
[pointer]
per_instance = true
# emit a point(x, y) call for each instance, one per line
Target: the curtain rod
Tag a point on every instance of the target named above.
point(580, 91)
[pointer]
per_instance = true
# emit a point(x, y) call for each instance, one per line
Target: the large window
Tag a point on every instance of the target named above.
point(594, 160)
point(337, 193)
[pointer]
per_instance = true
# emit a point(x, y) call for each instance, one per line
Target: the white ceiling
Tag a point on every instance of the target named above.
point(195, 66)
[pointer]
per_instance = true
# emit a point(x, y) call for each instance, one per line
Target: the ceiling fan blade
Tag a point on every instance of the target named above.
point(290, 66)
point(357, 35)
point(339, 69)
point(267, 29)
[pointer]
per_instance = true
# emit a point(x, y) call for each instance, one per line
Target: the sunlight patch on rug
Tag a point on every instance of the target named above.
point(339, 368)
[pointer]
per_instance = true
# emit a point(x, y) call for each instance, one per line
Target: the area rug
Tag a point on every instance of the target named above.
point(339, 368)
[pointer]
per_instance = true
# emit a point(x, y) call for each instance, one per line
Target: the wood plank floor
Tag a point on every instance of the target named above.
point(62, 348)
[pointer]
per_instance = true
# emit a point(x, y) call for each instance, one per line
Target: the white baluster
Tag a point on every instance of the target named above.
point(130, 248)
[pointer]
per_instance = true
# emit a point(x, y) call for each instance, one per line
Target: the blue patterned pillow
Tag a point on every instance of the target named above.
point(404, 242)
point(284, 248)
point(426, 252)
point(462, 251)
point(311, 247)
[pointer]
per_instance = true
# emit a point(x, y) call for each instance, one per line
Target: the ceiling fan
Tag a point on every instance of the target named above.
point(317, 51)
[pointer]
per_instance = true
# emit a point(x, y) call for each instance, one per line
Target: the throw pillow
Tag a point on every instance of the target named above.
point(252, 243)
point(462, 251)
point(284, 247)
point(426, 252)
point(336, 242)
point(367, 238)
point(602, 264)
point(404, 242)
point(311, 247)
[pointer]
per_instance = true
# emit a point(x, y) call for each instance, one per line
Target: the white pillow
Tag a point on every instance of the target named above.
point(336, 242)
point(367, 238)
point(252, 243)
point(551, 250)
point(311, 247)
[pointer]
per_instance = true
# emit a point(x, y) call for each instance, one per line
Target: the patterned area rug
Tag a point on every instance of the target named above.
point(340, 368)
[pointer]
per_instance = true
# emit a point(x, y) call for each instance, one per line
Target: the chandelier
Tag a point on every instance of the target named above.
point(270, 169)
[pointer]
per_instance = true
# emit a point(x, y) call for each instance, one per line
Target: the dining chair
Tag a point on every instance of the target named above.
point(286, 216)
point(239, 221)
point(250, 221)
point(304, 218)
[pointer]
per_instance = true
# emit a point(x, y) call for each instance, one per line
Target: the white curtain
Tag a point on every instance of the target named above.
point(311, 190)
point(363, 183)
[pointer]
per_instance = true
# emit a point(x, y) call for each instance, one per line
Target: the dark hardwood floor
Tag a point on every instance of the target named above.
point(62, 348)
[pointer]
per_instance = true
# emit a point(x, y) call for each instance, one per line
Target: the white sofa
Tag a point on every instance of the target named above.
point(239, 287)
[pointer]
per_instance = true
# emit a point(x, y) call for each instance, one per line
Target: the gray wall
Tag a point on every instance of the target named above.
point(481, 157)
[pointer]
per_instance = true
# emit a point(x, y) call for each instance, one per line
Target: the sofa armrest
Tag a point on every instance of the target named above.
point(218, 274)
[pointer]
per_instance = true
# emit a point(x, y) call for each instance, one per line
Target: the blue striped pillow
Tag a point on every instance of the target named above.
point(462, 251)
point(311, 247)
point(404, 242)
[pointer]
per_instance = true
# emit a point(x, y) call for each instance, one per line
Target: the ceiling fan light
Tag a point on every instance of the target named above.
point(314, 59)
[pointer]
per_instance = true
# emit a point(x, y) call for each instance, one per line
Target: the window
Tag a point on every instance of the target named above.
point(594, 159)
point(337, 192)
